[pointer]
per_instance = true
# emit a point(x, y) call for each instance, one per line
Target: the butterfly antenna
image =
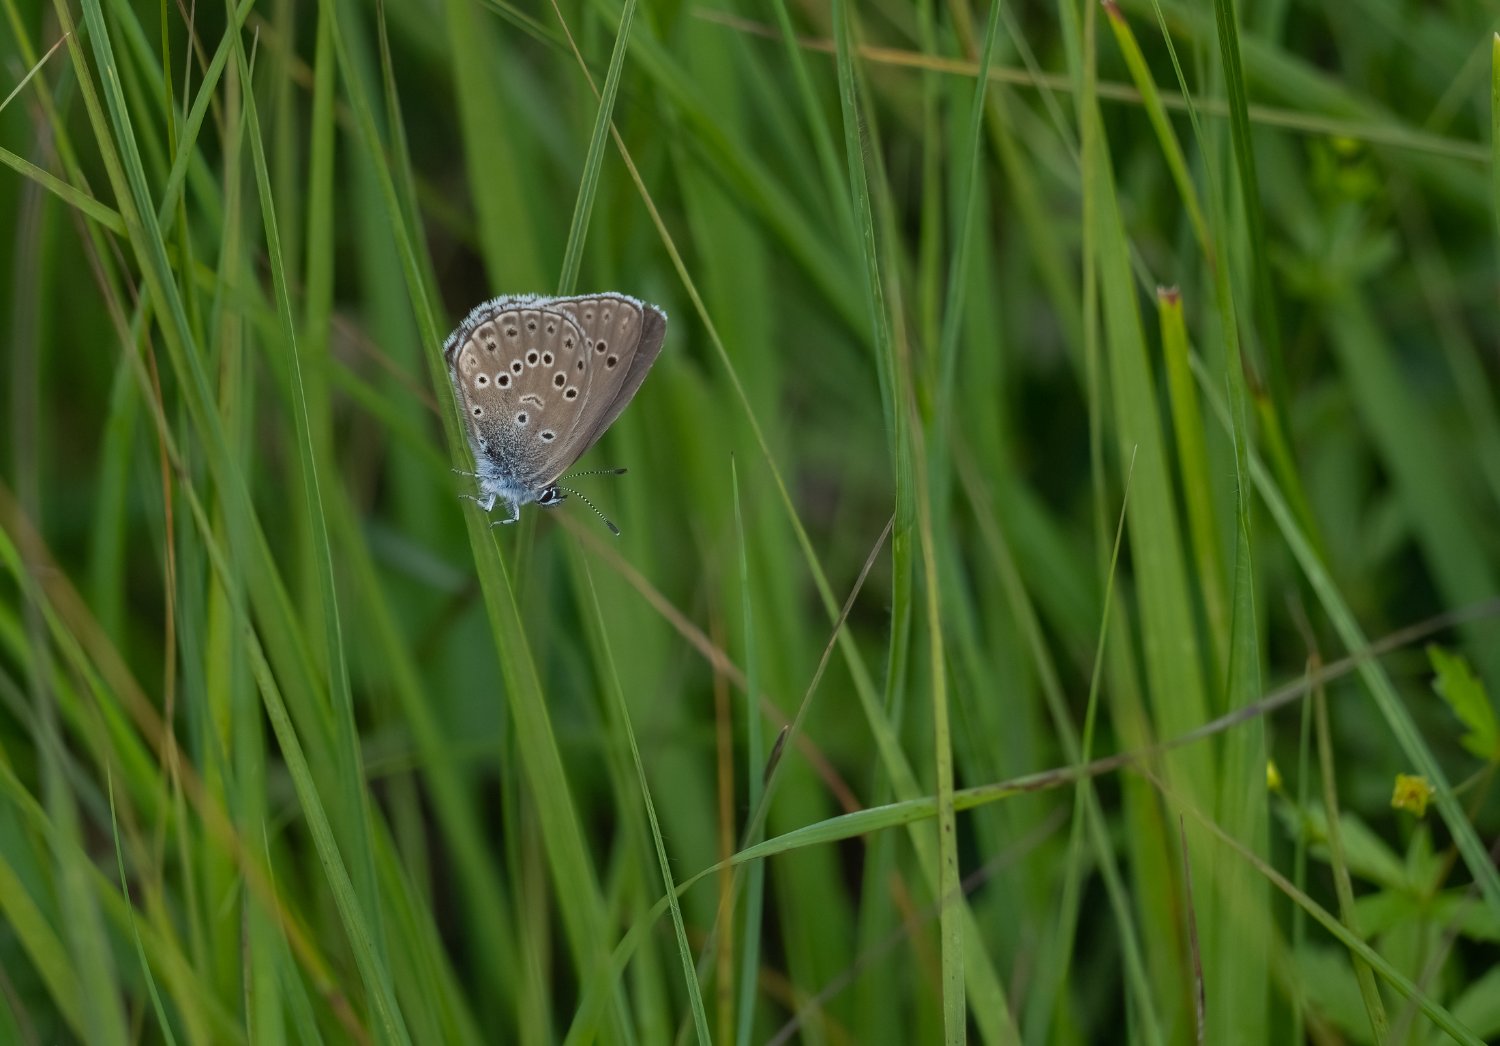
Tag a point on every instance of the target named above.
point(598, 472)
point(612, 528)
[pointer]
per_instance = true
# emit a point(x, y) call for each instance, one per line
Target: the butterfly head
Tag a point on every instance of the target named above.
point(552, 495)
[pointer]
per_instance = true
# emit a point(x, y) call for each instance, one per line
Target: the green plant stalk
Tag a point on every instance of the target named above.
point(1088, 818)
point(231, 739)
point(496, 146)
point(75, 198)
point(140, 951)
point(684, 950)
point(382, 994)
point(1227, 25)
point(584, 205)
point(1380, 1025)
point(1192, 462)
point(755, 767)
point(1140, 75)
point(1495, 137)
point(950, 889)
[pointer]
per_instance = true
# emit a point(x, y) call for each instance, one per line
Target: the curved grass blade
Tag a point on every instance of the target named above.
point(584, 205)
point(684, 950)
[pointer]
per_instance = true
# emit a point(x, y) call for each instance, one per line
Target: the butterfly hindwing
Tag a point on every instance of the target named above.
point(519, 371)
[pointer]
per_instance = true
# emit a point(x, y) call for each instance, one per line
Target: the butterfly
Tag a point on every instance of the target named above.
point(539, 380)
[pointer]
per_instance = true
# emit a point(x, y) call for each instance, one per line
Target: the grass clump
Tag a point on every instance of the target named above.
point(1057, 598)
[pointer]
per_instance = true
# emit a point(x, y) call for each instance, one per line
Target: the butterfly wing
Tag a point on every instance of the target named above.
point(624, 338)
point(519, 369)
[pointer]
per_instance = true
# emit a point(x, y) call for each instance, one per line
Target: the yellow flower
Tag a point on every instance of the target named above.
point(1273, 776)
point(1412, 793)
point(1346, 146)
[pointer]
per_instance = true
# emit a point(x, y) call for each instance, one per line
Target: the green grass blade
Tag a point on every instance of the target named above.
point(83, 202)
point(1192, 464)
point(583, 207)
point(755, 762)
point(496, 145)
point(1140, 75)
point(372, 967)
point(1380, 1025)
point(684, 950)
point(1495, 136)
point(156, 1004)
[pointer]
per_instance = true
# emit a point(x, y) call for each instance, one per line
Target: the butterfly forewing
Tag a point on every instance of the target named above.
point(624, 338)
point(520, 372)
point(601, 415)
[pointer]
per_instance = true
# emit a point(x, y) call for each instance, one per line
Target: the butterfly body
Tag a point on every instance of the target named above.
point(540, 379)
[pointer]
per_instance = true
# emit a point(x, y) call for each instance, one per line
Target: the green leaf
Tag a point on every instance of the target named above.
point(1464, 692)
point(1461, 910)
point(1479, 1005)
point(1327, 981)
point(1366, 853)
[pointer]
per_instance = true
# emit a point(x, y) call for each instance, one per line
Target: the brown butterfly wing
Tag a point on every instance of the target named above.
point(519, 368)
point(624, 339)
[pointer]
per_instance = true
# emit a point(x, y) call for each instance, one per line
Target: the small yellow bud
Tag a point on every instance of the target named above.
point(1346, 146)
point(1273, 776)
point(1412, 793)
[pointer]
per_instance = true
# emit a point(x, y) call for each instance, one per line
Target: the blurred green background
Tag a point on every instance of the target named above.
point(1057, 593)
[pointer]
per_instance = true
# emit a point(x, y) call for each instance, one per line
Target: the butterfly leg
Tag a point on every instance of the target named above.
point(515, 515)
point(484, 501)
